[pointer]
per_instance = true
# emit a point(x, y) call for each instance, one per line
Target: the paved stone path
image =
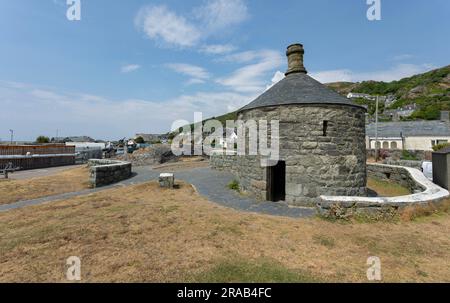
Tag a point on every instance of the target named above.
point(209, 183)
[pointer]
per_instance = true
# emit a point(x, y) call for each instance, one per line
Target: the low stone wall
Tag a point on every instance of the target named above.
point(408, 163)
point(86, 155)
point(424, 192)
point(396, 174)
point(396, 154)
point(105, 172)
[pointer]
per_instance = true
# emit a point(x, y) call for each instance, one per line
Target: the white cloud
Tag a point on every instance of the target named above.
point(161, 24)
point(198, 74)
point(217, 49)
point(43, 110)
point(396, 72)
point(241, 57)
point(252, 77)
point(217, 15)
point(277, 77)
point(129, 68)
point(193, 81)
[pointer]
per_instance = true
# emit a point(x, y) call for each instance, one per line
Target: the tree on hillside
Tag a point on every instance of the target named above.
point(42, 139)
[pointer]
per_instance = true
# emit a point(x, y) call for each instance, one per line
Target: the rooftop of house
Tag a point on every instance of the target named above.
point(297, 87)
point(410, 129)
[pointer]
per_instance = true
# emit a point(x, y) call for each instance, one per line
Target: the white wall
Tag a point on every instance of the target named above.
point(80, 146)
point(411, 143)
point(422, 143)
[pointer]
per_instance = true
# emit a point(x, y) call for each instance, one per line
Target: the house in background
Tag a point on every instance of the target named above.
point(362, 96)
point(404, 111)
point(388, 100)
point(229, 139)
point(409, 135)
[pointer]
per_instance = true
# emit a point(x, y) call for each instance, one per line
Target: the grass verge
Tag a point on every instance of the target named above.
point(63, 182)
point(387, 189)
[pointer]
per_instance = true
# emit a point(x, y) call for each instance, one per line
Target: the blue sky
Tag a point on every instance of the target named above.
point(137, 66)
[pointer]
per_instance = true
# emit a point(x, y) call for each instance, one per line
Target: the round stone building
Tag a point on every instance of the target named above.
point(321, 141)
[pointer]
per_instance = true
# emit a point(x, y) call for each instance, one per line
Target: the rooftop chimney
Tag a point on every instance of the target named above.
point(295, 54)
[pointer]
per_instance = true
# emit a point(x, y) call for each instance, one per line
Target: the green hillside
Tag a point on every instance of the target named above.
point(430, 91)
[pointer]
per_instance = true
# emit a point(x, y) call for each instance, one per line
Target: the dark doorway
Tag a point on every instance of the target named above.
point(276, 182)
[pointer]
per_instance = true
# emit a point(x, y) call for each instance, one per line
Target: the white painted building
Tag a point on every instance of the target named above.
point(409, 135)
point(83, 146)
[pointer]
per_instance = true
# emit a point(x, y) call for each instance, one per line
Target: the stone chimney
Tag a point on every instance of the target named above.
point(295, 54)
point(445, 116)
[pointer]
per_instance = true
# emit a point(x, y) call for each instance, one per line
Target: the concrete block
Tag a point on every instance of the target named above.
point(166, 180)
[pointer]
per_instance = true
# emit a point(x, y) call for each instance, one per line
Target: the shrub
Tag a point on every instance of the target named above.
point(441, 146)
point(42, 139)
point(406, 155)
point(383, 154)
point(234, 185)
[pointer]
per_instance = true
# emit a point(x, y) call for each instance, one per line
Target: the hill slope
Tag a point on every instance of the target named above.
point(430, 91)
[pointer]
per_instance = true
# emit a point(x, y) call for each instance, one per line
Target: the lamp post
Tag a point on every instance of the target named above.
point(12, 135)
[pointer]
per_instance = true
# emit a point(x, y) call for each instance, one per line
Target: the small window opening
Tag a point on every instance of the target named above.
point(325, 128)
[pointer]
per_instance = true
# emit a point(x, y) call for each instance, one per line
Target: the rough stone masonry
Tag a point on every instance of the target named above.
point(321, 137)
point(105, 172)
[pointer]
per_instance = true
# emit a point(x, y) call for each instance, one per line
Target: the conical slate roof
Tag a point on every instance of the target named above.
point(297, 87)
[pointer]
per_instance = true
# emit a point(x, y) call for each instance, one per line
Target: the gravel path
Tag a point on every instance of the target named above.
point(209, 183)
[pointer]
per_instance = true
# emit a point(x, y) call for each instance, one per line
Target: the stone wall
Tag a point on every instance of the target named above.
point(396, 154)
point(424, 192)
point(408, 163)
point(85, 155)
point(105, 172)
point(396, 174)
point(248, 171)
point(316, 163)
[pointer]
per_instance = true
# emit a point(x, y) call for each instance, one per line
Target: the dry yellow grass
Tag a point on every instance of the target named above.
point(63, 182)
point(144, 233)
point(387, 189)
